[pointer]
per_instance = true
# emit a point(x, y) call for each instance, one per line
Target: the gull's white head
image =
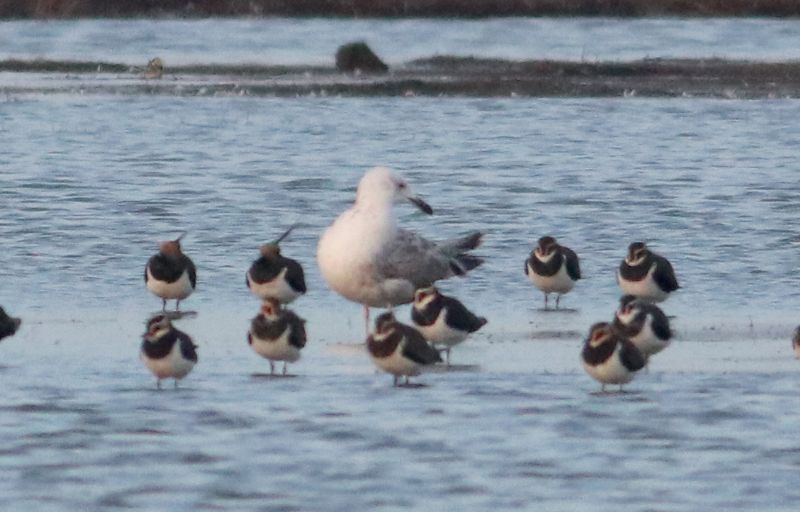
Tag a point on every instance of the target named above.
point(381, 187)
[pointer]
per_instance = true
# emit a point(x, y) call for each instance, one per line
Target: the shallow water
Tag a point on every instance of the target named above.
point(314, 40)
point(98, 436)
point(88, 185)
point(710, 184)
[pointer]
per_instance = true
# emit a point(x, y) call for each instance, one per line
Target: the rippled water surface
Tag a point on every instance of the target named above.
point(88, 185)
point(314, 41)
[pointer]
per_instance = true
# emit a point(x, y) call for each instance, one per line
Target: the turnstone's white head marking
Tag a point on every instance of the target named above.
point(546, 248)
point(157, 327)
point(425, 296)
point(637, 252)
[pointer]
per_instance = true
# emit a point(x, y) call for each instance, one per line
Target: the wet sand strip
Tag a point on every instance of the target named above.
point(436, 76)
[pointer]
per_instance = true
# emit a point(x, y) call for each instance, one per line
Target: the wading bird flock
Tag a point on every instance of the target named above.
point(276, 333)
point(366, 257)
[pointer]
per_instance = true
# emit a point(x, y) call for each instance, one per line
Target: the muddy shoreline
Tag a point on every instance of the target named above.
point(436, 76)
point(393, 8)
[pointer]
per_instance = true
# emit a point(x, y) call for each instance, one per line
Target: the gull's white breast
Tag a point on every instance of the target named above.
point(347, 254)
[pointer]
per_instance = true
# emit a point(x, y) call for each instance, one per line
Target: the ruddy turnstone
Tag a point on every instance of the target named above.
point(646, 275)
point(552, 268)
point(609, 358)
point(399, 349)
point(274, 276)
point(443, 320)
point(277, 334)
point(170, 274)
point(166, 351)
point(644, 324)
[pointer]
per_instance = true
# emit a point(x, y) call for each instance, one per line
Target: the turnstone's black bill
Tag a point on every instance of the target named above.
point(646, 275)
point(644, 324)
point(552, 268)
point(609, 358)
point(796, 342)
point(277, 334)
point(170, 274)
point(166, 351)
point(273, 276)
point(8, 324)
point(443, 320)
point(399, 349)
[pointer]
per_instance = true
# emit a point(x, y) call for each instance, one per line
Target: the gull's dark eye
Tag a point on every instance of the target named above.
point(401, 185)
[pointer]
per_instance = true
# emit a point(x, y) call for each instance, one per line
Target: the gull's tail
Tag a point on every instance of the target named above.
point(456, 248)
point(462, 243)
point(463, 263)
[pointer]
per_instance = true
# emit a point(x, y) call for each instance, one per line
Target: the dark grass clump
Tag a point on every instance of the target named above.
point(358, 57)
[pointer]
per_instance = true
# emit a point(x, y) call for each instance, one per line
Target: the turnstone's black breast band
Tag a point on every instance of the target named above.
point(263, 270)
point(170, 269)
point(428, 314)
point(545, 268)
point(599, 354)
point(638, 272)
point(268, 330)
point(387, 346)
point(161, 348)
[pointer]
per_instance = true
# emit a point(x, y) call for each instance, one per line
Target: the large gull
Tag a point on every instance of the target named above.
point(367, 258)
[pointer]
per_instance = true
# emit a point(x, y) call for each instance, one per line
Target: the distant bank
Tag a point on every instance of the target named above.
point(433, 77)
point(395, 8)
